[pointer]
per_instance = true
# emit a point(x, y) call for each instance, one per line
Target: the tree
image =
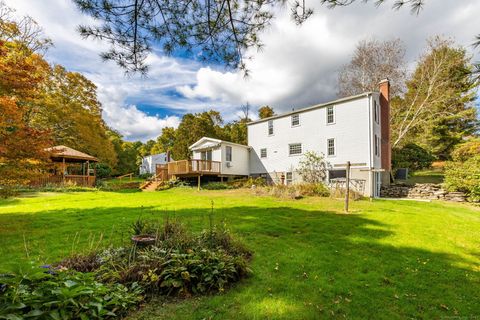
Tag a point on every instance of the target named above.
point(411, 156)
point(265, 112)
point(22, 146)
point(437, 111)
point(24, 31)
point(312, 167)
point(214, 30)
point(372, 62)
point(70, 108)
point(192, 128)
point(165, 141)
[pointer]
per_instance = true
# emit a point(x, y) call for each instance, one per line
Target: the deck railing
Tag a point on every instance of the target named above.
point(79, 180)
point(185, 167)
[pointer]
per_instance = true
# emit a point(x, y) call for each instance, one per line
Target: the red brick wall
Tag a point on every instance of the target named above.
point(385, 124)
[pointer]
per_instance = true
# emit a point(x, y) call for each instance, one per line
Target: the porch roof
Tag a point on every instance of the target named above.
point(69, 154)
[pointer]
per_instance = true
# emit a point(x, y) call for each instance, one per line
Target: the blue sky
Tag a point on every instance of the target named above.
point(298, 66)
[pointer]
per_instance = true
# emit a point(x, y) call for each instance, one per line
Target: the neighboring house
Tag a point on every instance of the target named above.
point(354, 129)
point(150, 162)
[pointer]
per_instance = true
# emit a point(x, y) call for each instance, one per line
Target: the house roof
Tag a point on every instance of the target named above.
point(213, 142)
point(69, 153)
point(317, 106)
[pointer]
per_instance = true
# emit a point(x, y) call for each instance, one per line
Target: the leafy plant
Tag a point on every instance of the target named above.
point(313, 167)
point(36, 293)
point(216, 186)
point(463, 173)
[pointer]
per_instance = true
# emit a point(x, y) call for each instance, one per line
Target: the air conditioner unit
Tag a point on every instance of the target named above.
point(229, 164)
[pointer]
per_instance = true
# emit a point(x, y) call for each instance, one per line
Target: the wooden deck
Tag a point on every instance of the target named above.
point(193, 168)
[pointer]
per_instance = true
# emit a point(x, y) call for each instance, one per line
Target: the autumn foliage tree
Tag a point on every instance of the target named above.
point(22, 155)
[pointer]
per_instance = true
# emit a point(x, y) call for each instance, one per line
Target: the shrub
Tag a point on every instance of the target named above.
point(411, 156)
point(180, 263)
point(295, 191)
point(216, 186)
point(103, 170)
point(36, 293)
point(313, 167)
point(463, 173)
point(145, 175)
point(248, 182)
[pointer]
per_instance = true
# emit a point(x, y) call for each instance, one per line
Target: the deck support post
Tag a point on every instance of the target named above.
point(198, 186)
point(221, 179)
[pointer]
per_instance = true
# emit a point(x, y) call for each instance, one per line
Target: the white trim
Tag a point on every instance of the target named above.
point(334, 115)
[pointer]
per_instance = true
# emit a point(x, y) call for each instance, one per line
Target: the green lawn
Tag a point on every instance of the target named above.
point(386, 260)
point(435, 175)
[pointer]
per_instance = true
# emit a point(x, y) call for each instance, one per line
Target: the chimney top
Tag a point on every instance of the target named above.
point(384, 80)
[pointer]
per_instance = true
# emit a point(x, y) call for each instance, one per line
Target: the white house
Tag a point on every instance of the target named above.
point(150, 162)
point(354, 129)
point(231, 158)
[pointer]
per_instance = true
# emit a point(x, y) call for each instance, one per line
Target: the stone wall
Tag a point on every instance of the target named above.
point(428, 191)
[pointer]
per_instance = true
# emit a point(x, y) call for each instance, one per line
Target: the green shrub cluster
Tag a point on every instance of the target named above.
point(106, 283)
point(411, 156)
point(463, 173)
point(236, 184)
point(36, 293)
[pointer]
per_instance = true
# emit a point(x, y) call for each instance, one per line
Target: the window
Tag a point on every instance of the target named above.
point(377, 145)
point(336, 174)
point(228, 153)
point(289, 178)
point(295, 120)
point(263, 153)
point(330, 115)
point(207, 155)
point(270, 127)
point(294, 148)
point(376, 111)
point(331, 147)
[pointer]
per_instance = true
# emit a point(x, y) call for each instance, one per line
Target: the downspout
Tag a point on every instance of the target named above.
point(370, 136)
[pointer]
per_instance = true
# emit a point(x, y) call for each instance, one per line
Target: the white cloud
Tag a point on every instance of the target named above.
point(299, 65)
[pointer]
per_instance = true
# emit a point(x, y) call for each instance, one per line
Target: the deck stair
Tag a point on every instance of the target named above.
point(151, 184)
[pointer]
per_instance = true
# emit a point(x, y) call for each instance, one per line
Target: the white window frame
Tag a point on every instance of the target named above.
point(287, 179)
point(334, 147)
point(227, 153)
point(270, 128)
point(290, 149)
point(333, 114)
point(298, 119)
point(261, 153)
point(376, 111)
point(376, 145)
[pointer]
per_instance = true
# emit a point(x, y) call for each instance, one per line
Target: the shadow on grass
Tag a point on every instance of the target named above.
point(307, 264)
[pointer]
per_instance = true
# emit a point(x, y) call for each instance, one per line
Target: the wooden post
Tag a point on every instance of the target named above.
point(347, 186)
point(63, 171)
point(198, 183)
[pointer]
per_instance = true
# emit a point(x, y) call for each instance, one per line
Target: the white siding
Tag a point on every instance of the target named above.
point(351, 131)
point(240, 156)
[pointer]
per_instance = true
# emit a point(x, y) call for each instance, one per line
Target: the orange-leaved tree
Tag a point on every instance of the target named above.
point(22, 154)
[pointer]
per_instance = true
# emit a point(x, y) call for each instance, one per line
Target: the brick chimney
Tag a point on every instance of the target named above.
point(384, 88)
